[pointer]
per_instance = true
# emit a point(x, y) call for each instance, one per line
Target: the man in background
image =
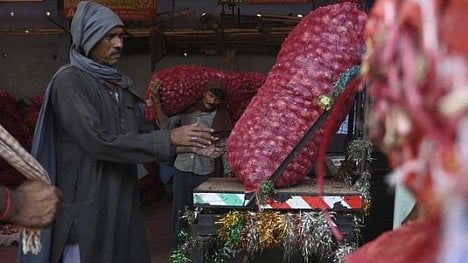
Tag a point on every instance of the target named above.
point(192, 169)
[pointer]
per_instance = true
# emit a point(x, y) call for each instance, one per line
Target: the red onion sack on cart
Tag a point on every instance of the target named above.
point(182, 86)
point(324, 44)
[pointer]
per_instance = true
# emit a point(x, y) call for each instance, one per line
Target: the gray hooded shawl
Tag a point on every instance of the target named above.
point(90, 24)
point(105, 154)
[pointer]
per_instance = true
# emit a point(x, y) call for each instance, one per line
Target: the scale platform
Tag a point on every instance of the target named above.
point(219, 192)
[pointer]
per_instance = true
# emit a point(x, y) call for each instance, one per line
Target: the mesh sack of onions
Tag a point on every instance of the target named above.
point(182, 86)
point(324, 44)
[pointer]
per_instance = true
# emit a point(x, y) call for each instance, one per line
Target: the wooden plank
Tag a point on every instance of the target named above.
point(218, 184)
point(307, 187)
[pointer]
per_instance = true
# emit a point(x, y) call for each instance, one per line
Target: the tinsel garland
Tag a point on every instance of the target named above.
point(354, 156)
point(182, 253)
point(178, 256)
point(357, 147)
point(316, 236)
point(306, 232)
point(363, 186)
point(231, 226)
point(289, 242)
point(342, 251)
point(266, 191)
point(251, 243)
point(188, 243)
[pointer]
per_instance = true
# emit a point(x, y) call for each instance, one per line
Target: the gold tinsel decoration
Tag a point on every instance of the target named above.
point(230, 229)
point(271, 229)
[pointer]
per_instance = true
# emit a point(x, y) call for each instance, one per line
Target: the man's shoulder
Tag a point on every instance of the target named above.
point(71, 79)
point(68, 70)
point(69, 73)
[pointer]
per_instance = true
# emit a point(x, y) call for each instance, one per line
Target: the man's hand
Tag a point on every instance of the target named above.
point(34, 204)
point(154, 86)
point(162, 121)
point(192, 135)
point(211, 151)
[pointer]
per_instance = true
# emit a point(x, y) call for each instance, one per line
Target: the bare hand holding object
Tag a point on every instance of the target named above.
point(213, 151)
point(34, 204)
point(192, 135)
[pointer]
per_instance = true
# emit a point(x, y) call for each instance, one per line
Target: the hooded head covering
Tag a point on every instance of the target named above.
point(90, 24)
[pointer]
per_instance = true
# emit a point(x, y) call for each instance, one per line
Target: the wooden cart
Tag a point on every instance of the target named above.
point(217, 196)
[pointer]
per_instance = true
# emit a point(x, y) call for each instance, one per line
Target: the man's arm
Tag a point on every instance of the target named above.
point(162, 121)
point(33, 204)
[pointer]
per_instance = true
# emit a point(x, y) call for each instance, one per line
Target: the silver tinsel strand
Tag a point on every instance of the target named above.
point(363, 186)
point(357, 225)
point(316, 235)
point(252, 233)
point(357, 147)
point(307, 244)
point(348, 180)
point(323, 236)
point(191, 215)
point(290, 240)
point(342, 251)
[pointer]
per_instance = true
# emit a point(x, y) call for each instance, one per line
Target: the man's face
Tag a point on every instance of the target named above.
point(108, 50)
point(210, 101)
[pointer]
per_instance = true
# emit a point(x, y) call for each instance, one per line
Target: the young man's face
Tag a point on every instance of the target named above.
point(108, 50)
point(210, 101)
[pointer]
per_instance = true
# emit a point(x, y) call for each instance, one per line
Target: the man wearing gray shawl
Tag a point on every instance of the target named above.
point(90, 136)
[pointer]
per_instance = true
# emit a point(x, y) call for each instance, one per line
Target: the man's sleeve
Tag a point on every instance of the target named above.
point(81, 120)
